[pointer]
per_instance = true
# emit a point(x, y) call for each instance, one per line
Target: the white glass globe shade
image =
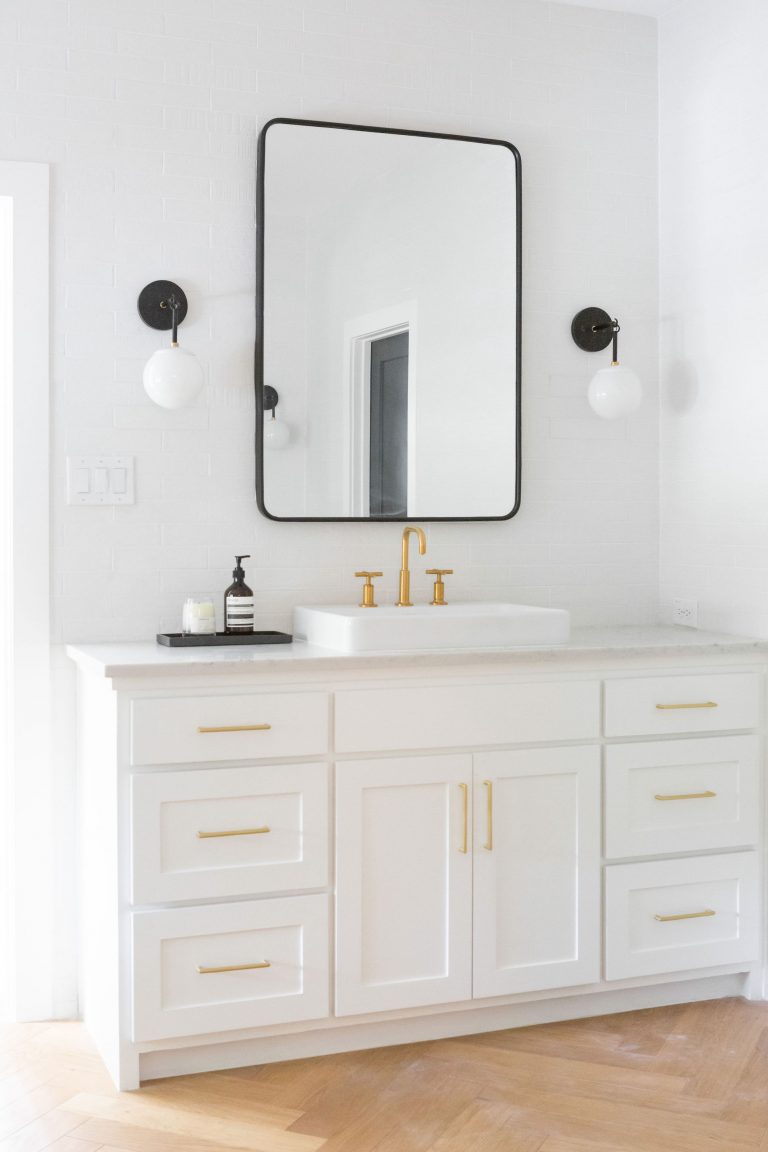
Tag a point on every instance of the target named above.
point(172, 377)
point(615, 391)
point(276, 434)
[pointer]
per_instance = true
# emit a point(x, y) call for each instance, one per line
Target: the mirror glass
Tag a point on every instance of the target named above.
point(388, 322)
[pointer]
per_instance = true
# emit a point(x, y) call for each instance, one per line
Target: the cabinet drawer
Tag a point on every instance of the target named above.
point(471, 714)
point(228, 832)
point(664, 705)
point(672, 915)
point(681, 796)
point(179, 730)
point(225, 966)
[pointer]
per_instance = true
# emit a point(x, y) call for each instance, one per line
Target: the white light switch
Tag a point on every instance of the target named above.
point(82, 480)
point(100, 479)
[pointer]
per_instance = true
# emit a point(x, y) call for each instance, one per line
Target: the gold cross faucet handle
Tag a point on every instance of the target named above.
point(439, 593)
point(368, 600)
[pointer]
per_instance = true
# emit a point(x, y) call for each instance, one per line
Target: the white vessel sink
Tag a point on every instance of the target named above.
point(424, 626)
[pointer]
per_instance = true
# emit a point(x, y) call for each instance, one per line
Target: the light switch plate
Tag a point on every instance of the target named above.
point(100, 480)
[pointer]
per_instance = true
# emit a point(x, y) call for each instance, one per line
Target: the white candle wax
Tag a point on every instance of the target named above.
point(199, 617)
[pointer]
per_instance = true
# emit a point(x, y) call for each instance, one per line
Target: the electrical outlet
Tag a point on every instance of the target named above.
point(685, 612)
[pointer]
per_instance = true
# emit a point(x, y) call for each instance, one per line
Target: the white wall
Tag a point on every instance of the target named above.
point(26, 793)
point(149, 113)
point(714, 305)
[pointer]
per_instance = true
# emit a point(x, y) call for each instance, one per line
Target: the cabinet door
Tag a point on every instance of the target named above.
point(403, 883)
point(537, 870)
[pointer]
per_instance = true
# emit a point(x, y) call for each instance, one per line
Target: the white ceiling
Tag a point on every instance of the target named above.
point(641, 7)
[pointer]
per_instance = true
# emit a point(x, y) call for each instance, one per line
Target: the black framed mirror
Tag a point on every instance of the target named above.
point(388, 305)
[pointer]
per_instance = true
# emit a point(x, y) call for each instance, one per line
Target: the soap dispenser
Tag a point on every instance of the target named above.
point(238, 602)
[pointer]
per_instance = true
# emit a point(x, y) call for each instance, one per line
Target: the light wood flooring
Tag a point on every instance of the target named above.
point(684, 1079)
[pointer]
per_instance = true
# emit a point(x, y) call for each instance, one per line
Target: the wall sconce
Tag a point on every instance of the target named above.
point(276, 433)
point(615, 390)
point(172, 376)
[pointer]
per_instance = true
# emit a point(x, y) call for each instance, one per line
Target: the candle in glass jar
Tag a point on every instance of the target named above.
point(199, 616)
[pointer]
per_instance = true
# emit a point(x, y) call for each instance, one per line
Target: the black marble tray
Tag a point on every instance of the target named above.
point(210, 639)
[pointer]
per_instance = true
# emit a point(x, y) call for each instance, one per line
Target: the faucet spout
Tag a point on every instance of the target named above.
point(404, 599)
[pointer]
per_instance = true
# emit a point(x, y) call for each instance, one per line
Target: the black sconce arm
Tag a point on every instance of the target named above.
point(174, 306)
point(614, 327)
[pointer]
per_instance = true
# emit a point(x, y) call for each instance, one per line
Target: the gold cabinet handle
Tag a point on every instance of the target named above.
point(685, 916)
point(686, 795)
point(237, 728)
point(234, 832)
point(465, 818)
point(677, 707)
point(203, 971)
point(489, 815)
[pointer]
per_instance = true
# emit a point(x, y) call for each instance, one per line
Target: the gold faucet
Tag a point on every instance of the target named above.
point(404, 600)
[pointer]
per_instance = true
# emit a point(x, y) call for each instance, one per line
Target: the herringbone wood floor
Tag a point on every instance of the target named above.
point(684, 1079)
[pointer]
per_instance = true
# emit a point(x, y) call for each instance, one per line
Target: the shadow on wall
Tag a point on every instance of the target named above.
point(681, 387)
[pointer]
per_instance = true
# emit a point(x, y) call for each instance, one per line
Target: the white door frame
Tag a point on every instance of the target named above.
point(359, 334)
point(26, 827)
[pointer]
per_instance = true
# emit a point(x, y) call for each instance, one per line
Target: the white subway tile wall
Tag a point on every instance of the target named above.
point(149, 114)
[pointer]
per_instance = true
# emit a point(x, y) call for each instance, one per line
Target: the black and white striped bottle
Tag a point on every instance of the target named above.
point(238, 602)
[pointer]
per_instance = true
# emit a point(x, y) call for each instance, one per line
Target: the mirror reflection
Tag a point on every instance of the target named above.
point(389, 342)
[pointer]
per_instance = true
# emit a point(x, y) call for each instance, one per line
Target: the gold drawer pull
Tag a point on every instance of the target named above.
point(234, 832)
point(686, 916)
point(686, 795)
point(233, 967)
point(676, 707)
point(489, 815)
point(238, 728)
point(465, 818)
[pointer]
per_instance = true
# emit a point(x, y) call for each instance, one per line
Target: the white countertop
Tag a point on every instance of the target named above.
point(148, 658)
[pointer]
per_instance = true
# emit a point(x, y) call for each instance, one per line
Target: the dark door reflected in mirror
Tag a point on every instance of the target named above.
point(388, 432)
point(388, 322)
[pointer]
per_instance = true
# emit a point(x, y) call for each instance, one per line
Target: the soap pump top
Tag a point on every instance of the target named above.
point(239, 573)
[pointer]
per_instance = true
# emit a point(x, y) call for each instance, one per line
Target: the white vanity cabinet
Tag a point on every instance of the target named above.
point(294, 852)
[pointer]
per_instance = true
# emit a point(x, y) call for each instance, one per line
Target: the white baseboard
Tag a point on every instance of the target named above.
point(354, 1037)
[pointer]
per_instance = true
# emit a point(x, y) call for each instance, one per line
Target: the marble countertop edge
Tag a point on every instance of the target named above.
point(146, 658)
